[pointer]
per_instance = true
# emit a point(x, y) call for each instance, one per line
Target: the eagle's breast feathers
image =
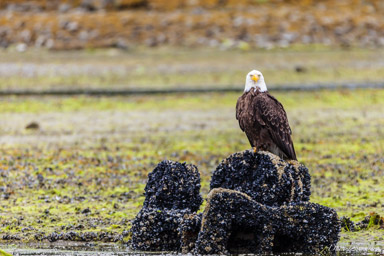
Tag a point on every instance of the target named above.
point(264, 120)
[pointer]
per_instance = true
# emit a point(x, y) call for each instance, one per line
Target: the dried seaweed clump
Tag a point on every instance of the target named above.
point(235, 223)
point(265, 177)
point(171, 194)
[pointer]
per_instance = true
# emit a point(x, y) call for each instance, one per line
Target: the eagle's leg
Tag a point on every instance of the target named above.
point(254, 150)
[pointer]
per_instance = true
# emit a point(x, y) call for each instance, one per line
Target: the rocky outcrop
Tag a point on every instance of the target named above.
point(171, 194)
point(172, 185)
point(235, 223)
point(189, 230)
point(265, 177)
point(258, 204)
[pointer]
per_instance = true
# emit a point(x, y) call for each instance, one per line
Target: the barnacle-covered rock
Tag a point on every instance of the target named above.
point(171, 195)
point(173, 185)
point(189, 230)
point(232, 217)
point(258, 204)
point(234, 222)
point(265, 177)
point(157, 230)
point(373, 219)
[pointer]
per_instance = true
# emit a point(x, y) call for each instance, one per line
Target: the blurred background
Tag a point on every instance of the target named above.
point(94, 93)
point(195, 43)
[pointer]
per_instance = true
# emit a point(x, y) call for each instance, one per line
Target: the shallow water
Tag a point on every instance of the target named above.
point(82, 249)
point(49, 252)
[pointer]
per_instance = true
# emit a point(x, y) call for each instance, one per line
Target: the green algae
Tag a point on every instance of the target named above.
point(3, 253)
point(326, 101)
point(96, 182)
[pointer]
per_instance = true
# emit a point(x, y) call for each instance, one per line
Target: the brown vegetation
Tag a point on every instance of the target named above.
point(174, 4)
point(246, 23)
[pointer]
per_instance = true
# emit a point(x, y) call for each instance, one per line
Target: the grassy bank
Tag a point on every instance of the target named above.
point(164, 68)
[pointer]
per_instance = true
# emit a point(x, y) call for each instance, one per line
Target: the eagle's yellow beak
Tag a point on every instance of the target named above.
point(255, 78)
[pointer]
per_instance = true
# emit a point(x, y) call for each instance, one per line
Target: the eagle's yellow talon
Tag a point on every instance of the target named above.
point(254, 150)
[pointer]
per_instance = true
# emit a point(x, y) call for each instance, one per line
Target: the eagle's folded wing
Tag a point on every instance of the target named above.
point(268, 110)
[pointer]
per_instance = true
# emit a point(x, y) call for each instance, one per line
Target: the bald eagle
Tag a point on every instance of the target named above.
point(263, 119)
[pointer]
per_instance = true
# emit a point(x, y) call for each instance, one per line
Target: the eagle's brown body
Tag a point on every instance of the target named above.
point(263, 119)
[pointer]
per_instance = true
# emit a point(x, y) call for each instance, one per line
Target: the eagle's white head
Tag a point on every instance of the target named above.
point(255, 80)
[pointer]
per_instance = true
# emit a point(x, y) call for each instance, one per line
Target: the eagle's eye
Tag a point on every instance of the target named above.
point(258, 75)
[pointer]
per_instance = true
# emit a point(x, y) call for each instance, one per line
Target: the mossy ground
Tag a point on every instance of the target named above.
point(85, 168)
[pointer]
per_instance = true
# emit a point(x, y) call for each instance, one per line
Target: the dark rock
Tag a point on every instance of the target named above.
point(6, 195)
point(300, 69)
point(370, 220)
point(265, 177)
point(234, 222)
point(40, 178)
point(373, 219)
point(157, 230)
point(32, 126)
point(172, 185)
point(10, 237)
point(54, 237)
point(71, 236)
point(189, 231)
point(171, 194)
point(90, 5)
point(86, 211)
point(347, 224)
point(258, 204)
